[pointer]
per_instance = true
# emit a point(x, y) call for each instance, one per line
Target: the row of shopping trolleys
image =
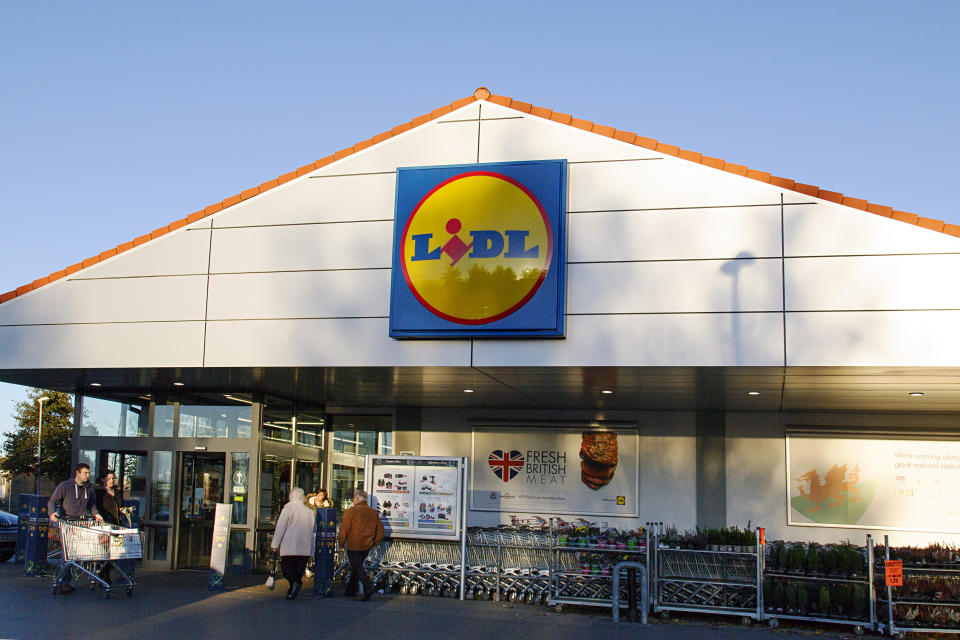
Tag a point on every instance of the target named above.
point(507, 565)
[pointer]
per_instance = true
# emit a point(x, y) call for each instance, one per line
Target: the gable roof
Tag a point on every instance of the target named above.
point(482, 93)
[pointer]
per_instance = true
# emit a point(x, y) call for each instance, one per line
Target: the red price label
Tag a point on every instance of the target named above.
point(893, 571)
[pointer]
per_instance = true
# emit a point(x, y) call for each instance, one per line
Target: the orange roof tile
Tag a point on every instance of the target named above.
point(482, 93)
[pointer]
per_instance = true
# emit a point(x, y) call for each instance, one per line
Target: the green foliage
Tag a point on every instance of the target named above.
point(824, 600)
point(20, 445)
point(812, 561)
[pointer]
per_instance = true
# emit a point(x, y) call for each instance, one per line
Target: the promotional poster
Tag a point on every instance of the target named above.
point(562, 471)
point(416, 496)
point(873, 482)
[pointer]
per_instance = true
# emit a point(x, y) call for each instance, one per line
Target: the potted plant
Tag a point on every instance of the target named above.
point(790, 597)
point(823, 602)
point(796, 557)
point(812, 561)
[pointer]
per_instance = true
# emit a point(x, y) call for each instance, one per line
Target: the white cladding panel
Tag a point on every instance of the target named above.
point(356, 245)
point(111, 300)
point(300, 294)
point(148, 344)
point(181, 252)
point(874, 338)
point(870, 283)
point(661, 184)
point(532, 138)
point(434, 143)
point(471, 111)
point(349, 342)
point(830, 229)
point(675, 287)
point(321, 199)
point(674, 235)
point(708, 340)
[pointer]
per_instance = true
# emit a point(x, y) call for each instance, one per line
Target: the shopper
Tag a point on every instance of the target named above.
point(360, 531)
point(294, 538)
point(73, 500)
point(110, 500)
point(322, 501)
point(109, 504)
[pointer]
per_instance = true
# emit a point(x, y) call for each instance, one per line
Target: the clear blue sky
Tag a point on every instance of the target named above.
point(117, 118)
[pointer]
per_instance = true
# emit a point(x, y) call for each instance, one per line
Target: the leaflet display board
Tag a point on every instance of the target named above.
point(593, 472)
point(873, 481)
point(417, 496)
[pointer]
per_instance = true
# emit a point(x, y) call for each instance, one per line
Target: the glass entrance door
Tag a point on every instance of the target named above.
point(201, 488)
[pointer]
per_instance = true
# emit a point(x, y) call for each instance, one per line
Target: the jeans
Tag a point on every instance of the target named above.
point(358, 573)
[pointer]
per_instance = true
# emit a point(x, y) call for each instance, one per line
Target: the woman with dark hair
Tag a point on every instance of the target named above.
point(110, 499)
point(109, 504)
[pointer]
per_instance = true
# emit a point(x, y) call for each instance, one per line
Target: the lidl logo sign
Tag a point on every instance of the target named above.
point(478, 250)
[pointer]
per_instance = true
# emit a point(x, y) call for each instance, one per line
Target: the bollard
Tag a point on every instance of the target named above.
point(644, 593)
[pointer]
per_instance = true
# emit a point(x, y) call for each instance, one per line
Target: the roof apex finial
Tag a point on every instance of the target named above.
point(482, 93)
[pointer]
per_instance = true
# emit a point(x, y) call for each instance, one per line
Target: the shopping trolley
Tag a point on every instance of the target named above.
point(89, 547)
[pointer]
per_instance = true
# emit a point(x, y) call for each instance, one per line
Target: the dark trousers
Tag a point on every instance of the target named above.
point(357, 572)
point(292, 568)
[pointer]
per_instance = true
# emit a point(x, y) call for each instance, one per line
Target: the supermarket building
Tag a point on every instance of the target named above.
point(495, 280)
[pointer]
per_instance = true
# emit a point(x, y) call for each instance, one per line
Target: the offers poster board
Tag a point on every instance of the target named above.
point(417, 496)
point(873, 481)
point(575, 471)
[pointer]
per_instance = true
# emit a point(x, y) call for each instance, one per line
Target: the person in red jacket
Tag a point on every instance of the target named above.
point(360, 531)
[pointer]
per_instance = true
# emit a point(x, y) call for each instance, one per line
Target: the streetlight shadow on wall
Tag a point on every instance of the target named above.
point(732, 268)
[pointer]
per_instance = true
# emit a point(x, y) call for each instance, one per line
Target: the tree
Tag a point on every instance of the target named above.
point(20, 445)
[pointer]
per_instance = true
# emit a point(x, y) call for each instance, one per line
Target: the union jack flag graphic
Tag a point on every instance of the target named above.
point(505, 465)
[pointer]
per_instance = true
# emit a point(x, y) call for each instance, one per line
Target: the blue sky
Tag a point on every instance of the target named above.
point(117, 118)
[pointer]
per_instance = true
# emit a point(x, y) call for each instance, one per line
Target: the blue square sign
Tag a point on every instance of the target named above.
point(479, 251)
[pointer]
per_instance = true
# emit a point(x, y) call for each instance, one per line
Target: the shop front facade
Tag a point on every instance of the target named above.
point(762, 350)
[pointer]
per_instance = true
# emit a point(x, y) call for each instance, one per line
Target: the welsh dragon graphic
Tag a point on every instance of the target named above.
point(836, 485)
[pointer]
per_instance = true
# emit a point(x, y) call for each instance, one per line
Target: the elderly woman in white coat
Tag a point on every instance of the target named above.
point(294, 536)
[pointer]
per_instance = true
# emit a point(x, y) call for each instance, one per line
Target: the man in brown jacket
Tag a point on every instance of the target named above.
point(360, 531)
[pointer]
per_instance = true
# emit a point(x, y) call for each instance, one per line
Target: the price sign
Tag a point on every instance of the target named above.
point(893, 570)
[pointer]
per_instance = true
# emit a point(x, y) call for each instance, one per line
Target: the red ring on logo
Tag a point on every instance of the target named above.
point(533, 289)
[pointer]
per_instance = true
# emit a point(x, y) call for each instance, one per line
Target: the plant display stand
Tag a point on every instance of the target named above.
point(827, 584)
point(929, 600)
point(725, 582)
point(581, 570)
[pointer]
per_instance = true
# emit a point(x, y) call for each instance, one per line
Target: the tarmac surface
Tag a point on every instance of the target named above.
point(177, 605)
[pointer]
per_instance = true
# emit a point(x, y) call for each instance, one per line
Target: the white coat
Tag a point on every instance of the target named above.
point(296, 530)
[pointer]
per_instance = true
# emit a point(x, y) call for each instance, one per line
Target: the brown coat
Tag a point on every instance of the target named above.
point(361, 528)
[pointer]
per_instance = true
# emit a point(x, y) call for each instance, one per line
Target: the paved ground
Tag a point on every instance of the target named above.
point(176, 605)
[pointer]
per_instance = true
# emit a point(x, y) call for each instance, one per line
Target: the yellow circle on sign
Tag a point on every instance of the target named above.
point(476, 248)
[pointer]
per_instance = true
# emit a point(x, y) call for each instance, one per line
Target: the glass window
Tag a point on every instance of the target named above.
point(214, 421)
point(162, 485)
point(309, 476)
point(278, 420)
point(89, 456)
point(237, 549)
point(163, 420)
point(310, 425)
point(157, 543)
point(274, 486)
point(131, 471)
point(386, 443)
point(240, 466)
point(107, 418)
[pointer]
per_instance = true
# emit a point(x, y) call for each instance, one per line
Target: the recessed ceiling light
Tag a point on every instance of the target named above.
point(178, 384)
point(94, 384)
point(753, 393)
point(607, 391)
point(468, 390)
point(916, 394)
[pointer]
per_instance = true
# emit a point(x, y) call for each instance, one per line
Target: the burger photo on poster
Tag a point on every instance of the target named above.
point(598, 458)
